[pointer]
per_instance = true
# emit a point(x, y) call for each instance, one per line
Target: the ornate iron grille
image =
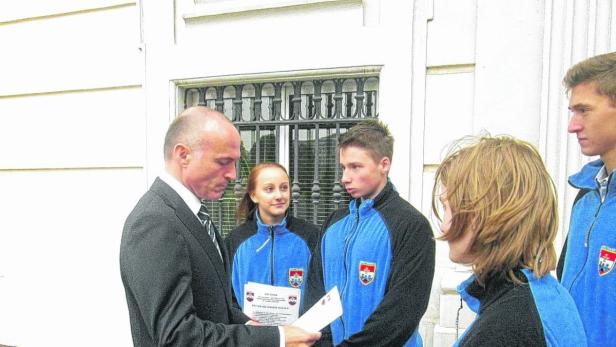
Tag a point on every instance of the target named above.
point(295, 123)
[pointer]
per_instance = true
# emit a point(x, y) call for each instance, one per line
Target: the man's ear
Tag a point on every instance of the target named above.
point(182, 153)
point(385, 164)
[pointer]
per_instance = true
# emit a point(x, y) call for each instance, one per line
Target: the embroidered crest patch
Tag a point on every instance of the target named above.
point(296, 277)
point(367, 272)
point(607, 258)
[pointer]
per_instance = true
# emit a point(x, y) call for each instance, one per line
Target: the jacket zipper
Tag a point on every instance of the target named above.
point(587, 240)
point(458, 320)
point(602, 199)
point(346, 265)
point(271, 228)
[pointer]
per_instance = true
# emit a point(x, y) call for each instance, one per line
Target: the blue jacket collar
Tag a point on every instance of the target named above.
point(367, 205)
point(477, 296)
point(265, 228)
point(585, 179)
point(471, 301)
point(364, 207)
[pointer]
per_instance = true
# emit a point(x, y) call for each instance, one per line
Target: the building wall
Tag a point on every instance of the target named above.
point(496, 67)
point(71, 168)
point(89, 88)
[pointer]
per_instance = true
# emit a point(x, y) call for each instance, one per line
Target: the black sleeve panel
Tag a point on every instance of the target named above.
point(306, 230)
point(237, 236)
point(512, 320)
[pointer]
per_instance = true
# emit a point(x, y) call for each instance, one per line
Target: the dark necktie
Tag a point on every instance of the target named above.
point(206, 221)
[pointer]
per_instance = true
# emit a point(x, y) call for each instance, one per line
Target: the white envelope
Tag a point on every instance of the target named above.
point(321, 314)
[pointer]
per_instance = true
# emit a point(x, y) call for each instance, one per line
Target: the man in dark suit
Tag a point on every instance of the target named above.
point(175, 274)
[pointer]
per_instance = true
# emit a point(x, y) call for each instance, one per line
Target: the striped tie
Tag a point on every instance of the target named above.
point(206, 221)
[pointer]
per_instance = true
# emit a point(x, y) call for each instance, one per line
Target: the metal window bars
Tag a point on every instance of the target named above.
point(296, 123)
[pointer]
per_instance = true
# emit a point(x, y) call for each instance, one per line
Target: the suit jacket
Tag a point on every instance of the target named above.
point(177, 287)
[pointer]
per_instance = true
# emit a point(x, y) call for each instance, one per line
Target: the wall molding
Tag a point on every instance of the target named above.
point(234, 7)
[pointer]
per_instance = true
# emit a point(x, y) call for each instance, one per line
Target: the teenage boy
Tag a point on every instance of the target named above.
point(378, 251)
point(589, 255)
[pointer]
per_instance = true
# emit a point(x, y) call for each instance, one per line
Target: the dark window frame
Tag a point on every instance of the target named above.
point(298, 109)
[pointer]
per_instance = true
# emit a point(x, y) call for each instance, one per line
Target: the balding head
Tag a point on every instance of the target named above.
point(201, 149)
point(189, 126)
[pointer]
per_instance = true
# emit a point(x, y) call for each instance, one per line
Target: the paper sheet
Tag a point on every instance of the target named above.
point(321, 314)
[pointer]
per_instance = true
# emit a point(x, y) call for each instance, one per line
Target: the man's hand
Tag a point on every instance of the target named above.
point(296, 337)
point(253, 322)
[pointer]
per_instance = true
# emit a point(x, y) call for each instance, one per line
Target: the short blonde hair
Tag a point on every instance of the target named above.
point(499, 188)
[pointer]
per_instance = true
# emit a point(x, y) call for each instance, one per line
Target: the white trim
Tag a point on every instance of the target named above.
point(423, 13)
point(279, 76)
point(57, 9)
point(220, 8)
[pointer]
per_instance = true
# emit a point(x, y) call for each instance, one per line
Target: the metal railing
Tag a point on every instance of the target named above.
point(296, 123)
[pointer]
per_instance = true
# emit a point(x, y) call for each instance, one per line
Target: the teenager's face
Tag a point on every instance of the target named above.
point(593, 121)
point(459, 249)
point(362, 176)
point(271, 194)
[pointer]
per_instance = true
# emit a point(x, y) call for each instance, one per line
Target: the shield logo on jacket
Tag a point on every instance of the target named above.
point(296, 277)
point(367, 272)
point(607, 258)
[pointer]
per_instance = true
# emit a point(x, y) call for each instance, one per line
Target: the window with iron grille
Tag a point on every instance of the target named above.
point(295, 122)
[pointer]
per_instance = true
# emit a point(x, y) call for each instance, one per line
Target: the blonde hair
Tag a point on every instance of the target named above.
point(499, 189)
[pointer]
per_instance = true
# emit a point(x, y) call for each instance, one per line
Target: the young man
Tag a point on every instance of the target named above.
point(174, 268)
point(589, 255)
point(378, 251)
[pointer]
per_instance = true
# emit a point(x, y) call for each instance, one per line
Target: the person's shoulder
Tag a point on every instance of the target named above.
point(242, 231)
point(150, 209)
point(302, 226)
point(335, 216)
point(504, 323)
point(239, 235)
point(397, 204)
point(505, 310)
point(308, 232)
point(399, 213)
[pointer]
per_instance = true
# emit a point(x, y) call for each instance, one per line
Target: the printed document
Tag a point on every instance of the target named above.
point(271, 305)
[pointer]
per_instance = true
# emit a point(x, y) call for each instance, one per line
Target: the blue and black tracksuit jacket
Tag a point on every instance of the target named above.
point(539, 312)
point(589, 256)
point(277, 255)
point(380, 254)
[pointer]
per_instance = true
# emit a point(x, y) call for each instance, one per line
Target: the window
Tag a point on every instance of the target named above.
point(293, 122)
